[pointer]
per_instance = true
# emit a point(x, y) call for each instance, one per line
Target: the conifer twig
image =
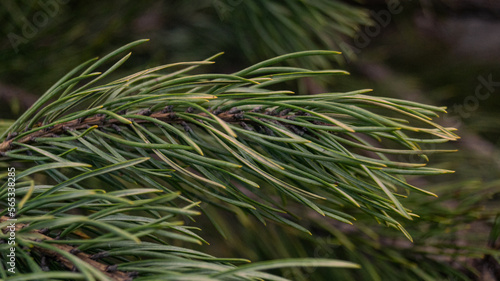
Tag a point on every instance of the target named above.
point(109, 271)
point(101, 121)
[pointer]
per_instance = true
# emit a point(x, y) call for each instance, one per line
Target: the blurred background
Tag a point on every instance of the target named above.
point(440, 52)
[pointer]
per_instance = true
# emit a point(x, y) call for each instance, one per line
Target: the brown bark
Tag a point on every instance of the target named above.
point(105, 269)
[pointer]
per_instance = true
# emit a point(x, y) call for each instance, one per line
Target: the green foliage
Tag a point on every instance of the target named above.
point(180, 30)
point(449, 240)
point(130, 159)
point(319, 24)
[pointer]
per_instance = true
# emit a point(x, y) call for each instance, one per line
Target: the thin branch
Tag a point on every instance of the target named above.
point(105, 269)
point(101, 121)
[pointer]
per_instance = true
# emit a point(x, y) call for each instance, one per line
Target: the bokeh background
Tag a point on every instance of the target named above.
point(441, 52)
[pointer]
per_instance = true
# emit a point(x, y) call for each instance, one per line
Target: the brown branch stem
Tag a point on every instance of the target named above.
point(105, 269)
point(101, 121)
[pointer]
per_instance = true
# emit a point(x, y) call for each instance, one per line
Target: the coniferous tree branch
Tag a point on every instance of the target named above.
point(131, 155)
point(40, 237)
point(102, 120)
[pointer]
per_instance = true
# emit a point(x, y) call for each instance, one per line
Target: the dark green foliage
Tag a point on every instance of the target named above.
point(130, 158)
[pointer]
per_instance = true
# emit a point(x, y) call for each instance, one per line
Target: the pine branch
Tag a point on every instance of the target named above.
point(101, 121)
point(108, 270)
point(129, 147)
